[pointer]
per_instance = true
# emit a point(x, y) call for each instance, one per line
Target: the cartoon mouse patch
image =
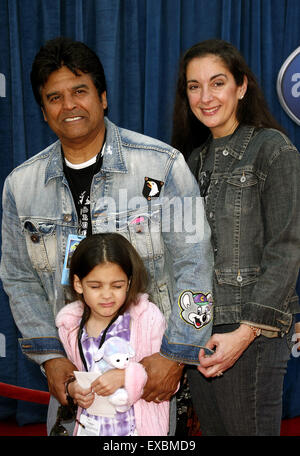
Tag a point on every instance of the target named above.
point(196, 308)
point(152, 188)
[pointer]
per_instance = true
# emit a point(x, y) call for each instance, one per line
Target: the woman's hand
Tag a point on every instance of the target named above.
point(109, 382)
point(82, 397)
point(228, 348)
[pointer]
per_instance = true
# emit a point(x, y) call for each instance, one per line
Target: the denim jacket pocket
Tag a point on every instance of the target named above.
point(242, 190)
point(142, 227)
point(237, 277)
point(40, 236)
point(145, 232)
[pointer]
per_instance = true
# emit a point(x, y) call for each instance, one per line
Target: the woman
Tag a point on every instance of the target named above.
point(248, 172)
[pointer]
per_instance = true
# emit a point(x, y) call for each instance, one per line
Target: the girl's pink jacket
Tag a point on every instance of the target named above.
point(146, 331)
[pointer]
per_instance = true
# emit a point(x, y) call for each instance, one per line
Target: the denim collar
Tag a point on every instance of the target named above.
point(113, 158)
point(236, 145)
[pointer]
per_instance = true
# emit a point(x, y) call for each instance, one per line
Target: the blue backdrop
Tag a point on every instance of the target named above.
point(139, 43)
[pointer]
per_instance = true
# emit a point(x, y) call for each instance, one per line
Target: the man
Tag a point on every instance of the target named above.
point(98, 177)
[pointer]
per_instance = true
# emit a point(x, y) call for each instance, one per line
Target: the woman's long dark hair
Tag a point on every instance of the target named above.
point(109, 248)
point(188, 132)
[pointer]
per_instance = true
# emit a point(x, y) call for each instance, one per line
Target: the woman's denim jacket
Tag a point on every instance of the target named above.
point(253, 208)
point(168, 228)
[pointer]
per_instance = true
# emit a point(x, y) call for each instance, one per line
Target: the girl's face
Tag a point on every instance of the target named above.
point(104, 290)
point(213, 94)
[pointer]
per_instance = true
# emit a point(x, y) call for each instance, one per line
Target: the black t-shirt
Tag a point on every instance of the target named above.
point(80, 184)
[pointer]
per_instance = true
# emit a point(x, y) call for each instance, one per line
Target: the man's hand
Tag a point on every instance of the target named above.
point(163, 378)
point(58, 370)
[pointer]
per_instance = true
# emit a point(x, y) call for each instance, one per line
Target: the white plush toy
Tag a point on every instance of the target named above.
point(114, 353)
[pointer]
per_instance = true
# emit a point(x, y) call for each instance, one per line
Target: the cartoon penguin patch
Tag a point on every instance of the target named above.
point(152, 188)
point(196, 308)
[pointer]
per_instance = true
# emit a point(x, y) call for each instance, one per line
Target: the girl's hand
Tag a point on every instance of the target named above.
point(109, 382)
point(228, 348)
point(82, 397)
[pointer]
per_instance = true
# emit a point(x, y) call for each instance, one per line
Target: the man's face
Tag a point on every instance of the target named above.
point(72, 107)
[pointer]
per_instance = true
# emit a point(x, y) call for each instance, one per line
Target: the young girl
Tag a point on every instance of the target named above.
point(110, 280)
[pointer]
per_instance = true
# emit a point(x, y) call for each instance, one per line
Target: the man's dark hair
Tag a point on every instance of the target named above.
point(74, 55)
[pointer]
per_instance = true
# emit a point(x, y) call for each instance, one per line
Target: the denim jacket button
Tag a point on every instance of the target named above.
point(67, 217)
point(35, 238)
point(211, 214)
point(239, 278)
point(243, 179)
point(225, 152)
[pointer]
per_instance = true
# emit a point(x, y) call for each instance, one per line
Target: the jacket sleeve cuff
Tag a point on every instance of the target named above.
point(267, 317)
point(41, 349)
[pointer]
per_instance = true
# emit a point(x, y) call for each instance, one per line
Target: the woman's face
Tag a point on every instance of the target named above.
point(213, 94)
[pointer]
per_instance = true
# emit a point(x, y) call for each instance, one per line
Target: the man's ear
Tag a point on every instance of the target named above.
point(103, 99)
point(77, 284)
point(44, 114)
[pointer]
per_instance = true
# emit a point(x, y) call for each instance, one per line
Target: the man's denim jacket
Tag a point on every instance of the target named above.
point(166, 224)
point(253, 207)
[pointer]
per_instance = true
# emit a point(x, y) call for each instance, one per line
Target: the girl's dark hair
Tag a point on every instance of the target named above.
point(188, 132)
point(74, 55)
point(109, 248)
